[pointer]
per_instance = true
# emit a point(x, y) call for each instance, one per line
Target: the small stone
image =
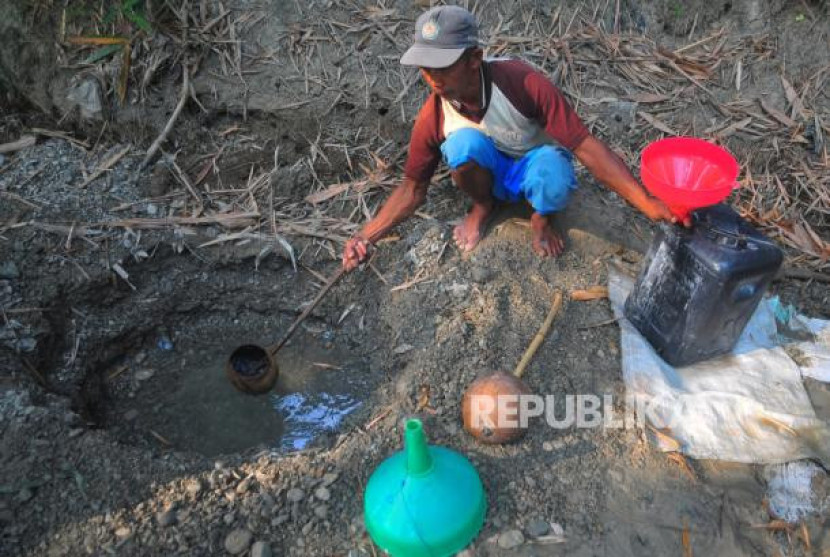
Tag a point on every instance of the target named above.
point(244, 485)
point(9, 270)
point(140, 357)
point(281, 519)
point(556, 529)
point(229, 518)
point(25, 495)
point(531, 483)
point(357, 553)
point(193, 486)
point(481, 274)
point(130, 415)
point(322, 493)
point(152, 209)
point(537, 528)
point(295, 495)
point(144, 374)
point(123, 532)
point(166, 518)
point(547, 446)
point(511, 539)
point(330, 478)
point(307, 528)
point(320, 511)
point(238, 541)
point(261, 549)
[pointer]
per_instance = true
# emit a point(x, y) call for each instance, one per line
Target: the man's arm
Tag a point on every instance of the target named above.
point(610, 169)
point(400, 205)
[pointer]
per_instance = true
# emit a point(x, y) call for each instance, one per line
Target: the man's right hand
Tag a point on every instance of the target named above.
point(354, 252)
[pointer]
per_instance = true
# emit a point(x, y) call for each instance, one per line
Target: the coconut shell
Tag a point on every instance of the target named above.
point(252, 370)
point(487, 411)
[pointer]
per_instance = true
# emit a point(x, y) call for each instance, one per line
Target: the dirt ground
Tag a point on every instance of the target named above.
point(123, 295)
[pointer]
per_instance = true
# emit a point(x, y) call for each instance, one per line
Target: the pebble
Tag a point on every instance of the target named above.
point(229, 518)
point(322, 493)
point(357, 553)
point(193, 487)
point(320, 511)
point(9, 270)
point(166, 518)
point(24, 495)
point(130, 415)
point(511, 539)
point(330, 478)
point(281, 519)
point(481, 274)
point(547, 446)
point(144, 374)
point(244, 485)
point(537, 528)
point(123, 532)
point(295, 495)
point(238, 541)
point(261, 549)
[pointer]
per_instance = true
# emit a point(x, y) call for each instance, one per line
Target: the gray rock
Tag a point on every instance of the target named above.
point(244, 485)
point(25, 495)
point(281, 519)
point(481, 274)
point(357, 553)
point(9, 270)
point(130, 415)
point(537, 527)
point(320, 511)
point(238, 541)
point(322, 493)
point(547, 446)
point(87, 96)
point(193, 486)
point(511, 539)
point(229, 518)
point(330, 478)
point(295, 495)
point(261, 549)
point(166, 518)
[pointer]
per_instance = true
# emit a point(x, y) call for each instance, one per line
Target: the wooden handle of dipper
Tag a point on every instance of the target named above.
point(320, 295)
point(540, 336)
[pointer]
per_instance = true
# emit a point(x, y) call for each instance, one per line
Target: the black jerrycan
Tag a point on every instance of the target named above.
point(699, 286)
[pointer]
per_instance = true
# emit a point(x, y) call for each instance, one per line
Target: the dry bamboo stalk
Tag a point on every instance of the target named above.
point(540, 335)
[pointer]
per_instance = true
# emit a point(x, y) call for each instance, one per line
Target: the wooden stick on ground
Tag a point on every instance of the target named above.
point(540, 336)
point(22, 143)
point(151, 152)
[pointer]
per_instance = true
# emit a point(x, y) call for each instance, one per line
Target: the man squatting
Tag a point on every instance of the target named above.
point(506, 132)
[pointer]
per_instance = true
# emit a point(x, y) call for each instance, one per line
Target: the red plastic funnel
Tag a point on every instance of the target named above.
point(687, 173)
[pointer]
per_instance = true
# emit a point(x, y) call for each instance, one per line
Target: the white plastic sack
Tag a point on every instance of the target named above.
point(749, 406)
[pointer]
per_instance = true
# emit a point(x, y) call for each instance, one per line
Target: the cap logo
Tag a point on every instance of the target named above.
point(430, 30)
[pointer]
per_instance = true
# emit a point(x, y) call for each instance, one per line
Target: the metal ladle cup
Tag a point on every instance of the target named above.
point(253, 369)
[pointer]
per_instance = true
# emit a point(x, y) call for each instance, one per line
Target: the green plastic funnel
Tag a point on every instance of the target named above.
point(424, 501)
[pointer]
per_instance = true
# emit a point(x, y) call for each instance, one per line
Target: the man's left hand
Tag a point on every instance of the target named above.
point(656, 210)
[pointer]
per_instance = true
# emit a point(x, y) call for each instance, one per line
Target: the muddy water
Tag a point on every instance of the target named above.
point(317, 389)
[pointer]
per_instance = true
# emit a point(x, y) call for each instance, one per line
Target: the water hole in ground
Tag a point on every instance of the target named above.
point(317, 389)
point(167, 385)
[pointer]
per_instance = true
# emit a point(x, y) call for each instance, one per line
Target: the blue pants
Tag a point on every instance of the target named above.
point(544, 176)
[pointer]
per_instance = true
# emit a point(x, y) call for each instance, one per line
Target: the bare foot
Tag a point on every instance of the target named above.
point(547, 242)
point(468, 233)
